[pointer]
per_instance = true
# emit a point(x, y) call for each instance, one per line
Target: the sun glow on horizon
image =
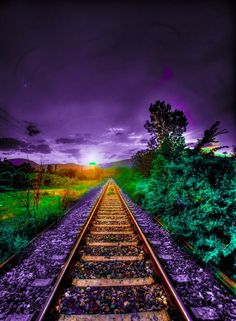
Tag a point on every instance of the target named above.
point(91, 157)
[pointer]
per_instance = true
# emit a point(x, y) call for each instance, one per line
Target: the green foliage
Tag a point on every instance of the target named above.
point(6, 180)
point(20, 243)
point(191, 191)
point(21, 220)
point(128, 178)
point(195, 198)
point(31, 200)
point(21, 180)
point(54, 180)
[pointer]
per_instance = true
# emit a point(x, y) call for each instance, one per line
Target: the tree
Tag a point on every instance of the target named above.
point(142, 161)
point(49, 169)
point(209, 137)
point(5, 181)
point(21, 180)
point(68, 172)
point(165, 125)
point(36, 185)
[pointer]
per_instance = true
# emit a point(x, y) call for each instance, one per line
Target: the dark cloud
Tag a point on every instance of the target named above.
point(32, 130)
point(40, 148)
point(6, 153)
point(12, 144)
point(79, 139)
point(119, 134)
point(9, 143)
point(65, 140)
point(71, 151)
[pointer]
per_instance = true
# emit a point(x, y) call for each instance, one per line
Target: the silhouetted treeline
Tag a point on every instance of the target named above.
point(14, 177)
point(25, 176)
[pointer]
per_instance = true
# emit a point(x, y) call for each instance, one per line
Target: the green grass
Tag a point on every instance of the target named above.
point(18, 226)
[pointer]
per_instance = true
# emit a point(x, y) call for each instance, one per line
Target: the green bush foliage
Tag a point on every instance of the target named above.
point(195, 198)
point(191, 191)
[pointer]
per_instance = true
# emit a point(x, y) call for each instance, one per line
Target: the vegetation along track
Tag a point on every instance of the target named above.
point(112, 272)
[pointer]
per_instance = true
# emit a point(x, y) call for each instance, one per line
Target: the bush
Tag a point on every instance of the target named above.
point(195, 197)
point(20, 243)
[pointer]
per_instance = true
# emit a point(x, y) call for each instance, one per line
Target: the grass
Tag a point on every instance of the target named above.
point(18, 226)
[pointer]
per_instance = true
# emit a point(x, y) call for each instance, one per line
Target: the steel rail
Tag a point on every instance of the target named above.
point(46, 308)
point(44, 314)
point(174, 295)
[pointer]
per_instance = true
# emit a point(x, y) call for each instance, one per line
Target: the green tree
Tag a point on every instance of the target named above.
point(6, 180)
point(21, 180)
point(166, 126)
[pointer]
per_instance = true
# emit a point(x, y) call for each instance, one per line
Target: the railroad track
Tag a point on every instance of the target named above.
point(112, 272)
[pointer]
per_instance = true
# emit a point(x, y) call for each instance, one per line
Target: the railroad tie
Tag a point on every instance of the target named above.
point(103, 282)
point(161, 315)
point(111, 232)
point(122, 243)
point(112, 225)
point(117, 217)
point(111, 218)
point(97, 258)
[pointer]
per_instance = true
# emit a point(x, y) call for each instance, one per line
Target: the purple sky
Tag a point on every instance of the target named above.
point(84, 76)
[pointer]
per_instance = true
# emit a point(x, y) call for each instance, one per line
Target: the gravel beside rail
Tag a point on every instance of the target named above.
point(25, 287)
point(112, 250)
point(113, 270)
point(113, 300)
point(198, 288)
point(112, 238)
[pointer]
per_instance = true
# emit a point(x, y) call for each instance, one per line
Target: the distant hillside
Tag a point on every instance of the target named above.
point(121, 163)
point(20, 161)
point(58, 167)
point(77, 167)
